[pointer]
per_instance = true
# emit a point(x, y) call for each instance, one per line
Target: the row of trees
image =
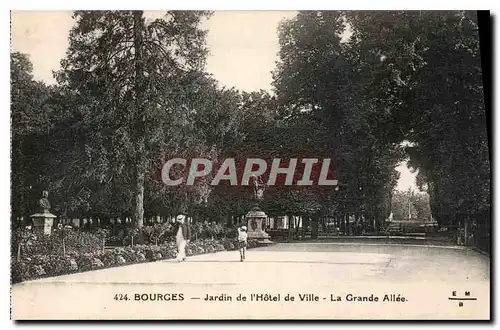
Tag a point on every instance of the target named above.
point(411, 205)
point(350, 86)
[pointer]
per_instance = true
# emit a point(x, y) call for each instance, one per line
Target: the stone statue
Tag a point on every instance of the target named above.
point(256, 218)
point(44, 220)
point(259, 188)
point(44, 203)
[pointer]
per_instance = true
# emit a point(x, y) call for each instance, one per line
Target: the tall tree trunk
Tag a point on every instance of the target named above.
point(139, 199)
point(290, 227)
point(314, 227)
point(140, 160)
point(347, 225)
point(357, 224)
point(19, 252)
point(296, 222)
point(305, 226)
point(64, 246)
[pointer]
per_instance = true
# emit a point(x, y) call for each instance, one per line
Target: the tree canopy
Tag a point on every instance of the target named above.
point(364, 89)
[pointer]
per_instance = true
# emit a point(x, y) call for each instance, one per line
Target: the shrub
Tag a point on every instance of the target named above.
point(84, 262)
point(131, 236)
point(120, 260)
point(97, 263)
point(102, 232)
point(20, 238)
point(141, 257)
point(41, 265)
point(20, 271)
point(127, 254)
point(38, 271)
point(158, 232)
point(74, 241)
point(229, 244)
point(116, 237)
point(109, 258)
point(72, 265)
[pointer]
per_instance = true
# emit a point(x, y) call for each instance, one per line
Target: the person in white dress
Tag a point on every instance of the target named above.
point(182, 236)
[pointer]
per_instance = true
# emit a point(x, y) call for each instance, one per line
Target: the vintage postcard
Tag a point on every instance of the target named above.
point(227, 165)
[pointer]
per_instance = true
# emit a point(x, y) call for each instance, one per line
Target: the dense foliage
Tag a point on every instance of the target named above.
point(411, 205)
point(366, 89)
point(37, 264)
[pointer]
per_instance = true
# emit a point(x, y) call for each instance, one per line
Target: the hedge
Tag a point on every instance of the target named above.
point(46, 261)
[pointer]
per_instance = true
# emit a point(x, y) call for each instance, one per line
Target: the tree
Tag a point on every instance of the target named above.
point(428, 81)
point(321, 83)
point(31, 123)
point(410, 202)
point(130, 77)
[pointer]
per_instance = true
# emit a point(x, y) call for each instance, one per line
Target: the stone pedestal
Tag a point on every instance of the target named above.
point(256, 219)
point(43, 222)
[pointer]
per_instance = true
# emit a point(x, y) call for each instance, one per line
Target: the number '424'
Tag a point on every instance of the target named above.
point(120, 296)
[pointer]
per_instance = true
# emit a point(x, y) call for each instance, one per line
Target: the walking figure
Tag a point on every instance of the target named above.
point(183, 235)
point(242, 241)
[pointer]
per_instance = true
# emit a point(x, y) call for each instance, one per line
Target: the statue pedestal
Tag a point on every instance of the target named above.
point(43, 222)
point(255, 220)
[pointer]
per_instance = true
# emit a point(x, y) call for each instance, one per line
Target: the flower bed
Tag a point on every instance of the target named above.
point(33, 266)
point(158, 233)
point(74, 242)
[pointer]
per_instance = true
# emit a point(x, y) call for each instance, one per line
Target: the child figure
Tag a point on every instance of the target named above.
point(242, 241)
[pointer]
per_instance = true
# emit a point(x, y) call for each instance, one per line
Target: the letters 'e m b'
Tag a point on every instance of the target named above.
point(165, 171)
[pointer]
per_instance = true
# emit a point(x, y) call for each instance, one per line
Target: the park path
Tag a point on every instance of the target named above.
point(425, 276)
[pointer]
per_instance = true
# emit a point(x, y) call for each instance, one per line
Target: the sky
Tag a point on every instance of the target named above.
point(243, 50)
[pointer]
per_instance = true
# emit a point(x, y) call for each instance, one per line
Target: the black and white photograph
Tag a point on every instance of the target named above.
point(250, 165)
